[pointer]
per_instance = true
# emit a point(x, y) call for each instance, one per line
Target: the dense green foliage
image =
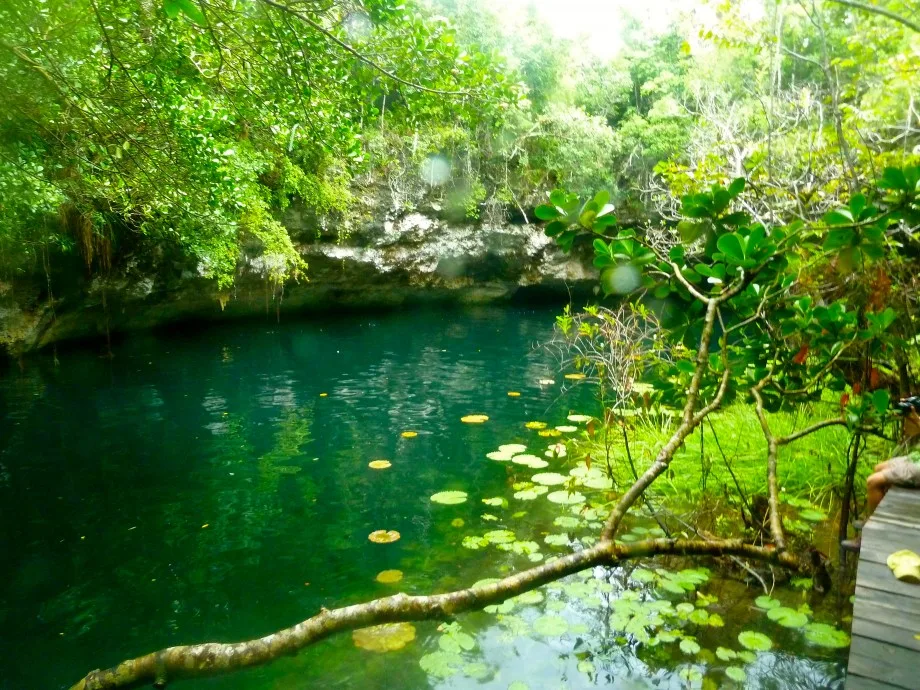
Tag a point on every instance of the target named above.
point(189, 127)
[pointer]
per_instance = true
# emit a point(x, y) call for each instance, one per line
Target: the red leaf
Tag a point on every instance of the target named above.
point(802, 355)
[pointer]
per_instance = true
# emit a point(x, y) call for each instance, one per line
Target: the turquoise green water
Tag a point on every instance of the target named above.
point(200, 487)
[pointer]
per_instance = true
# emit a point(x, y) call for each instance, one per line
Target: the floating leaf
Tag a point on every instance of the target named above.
point(384, 638)
point(457, 522)
point(642, 575)
point(825, 635)
point(383, 536)
point(557, 539)
point(766, 603)
point(529, 598)
point(691, 675)
point(812, 515)
point(688, 646)
point(566, 497)
point(550, 478)
point(555, 450)
point(476, 670)
point(518, 685)
point(489, 517)
point(549, 433)
point(566, 522)
point(575, 377)
point(379, 464)
point(512, 448)
point(485, 582)
point(585, 666)
point(579, 418)
point(566, 428)
point(736, 673)
point(514, 394)
point(496, 501)
point(499, 536)
point(449, 498)
point(551, 626)
point(389, 577)
point(726, 654)
point(409, 434)
point(535, 425)
point(441, 664)
point(531, 461)
point(602, 483)
point(499, 456)
point(755, 641)
point(474, 419)
point(787, 617)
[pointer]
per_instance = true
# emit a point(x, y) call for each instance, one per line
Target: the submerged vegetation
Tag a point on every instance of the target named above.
point(746, 183)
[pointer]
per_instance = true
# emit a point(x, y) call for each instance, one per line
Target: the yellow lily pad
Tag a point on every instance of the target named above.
point(514, 394)
point(379, 464)
point(383, 536)
point(389, 577)
point(905, 565)
point(384, 638)
point(535, 425)
point(575, 377)
point(324, 395)
point(474, 419)
point(409, 434)
point(550, 433)
point(457, 522)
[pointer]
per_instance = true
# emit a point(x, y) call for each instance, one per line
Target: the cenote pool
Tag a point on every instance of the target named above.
point(214, 485)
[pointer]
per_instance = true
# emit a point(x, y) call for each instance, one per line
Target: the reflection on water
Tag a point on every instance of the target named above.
point(201, 487)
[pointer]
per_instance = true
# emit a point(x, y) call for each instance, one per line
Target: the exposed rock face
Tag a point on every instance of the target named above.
point(413, 258)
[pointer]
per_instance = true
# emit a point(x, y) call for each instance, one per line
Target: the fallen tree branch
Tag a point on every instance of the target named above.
point(215, 658)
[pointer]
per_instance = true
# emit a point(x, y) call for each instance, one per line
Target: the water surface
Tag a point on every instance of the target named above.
point(214, 485)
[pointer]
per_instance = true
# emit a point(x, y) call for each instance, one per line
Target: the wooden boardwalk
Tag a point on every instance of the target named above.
point(886, 616)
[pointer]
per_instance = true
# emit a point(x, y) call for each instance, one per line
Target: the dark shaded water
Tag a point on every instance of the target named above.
point(201, 487)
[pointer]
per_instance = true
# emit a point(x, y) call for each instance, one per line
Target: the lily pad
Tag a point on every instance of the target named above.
point(555, 450)
point(566, 428)
point(579, 418)
point(441, 664)
point(787, 617)
point(383, 536)
point(512, 448)
point(389, 577)
point(688, 646)
point(449, 498)
point(736, 673)
point(550, 478)
point(514, 394)
point(549, 433)
point(531, 461)
point(518, 685)
point(557, 539)
point(825, 635)
point(384, 638)
point(499, 456)
point(535, 425)
point(726, 654)
point(499, 536)
point(551, 626)
point(457, 522)
point(755, 641)
point(379, 464)
point(766, 603)
point(474, 419)
point(495, 501)
point(476, 670)
point(566, 522)
point(575, 377)
point(566, 497)
point(812, 515)
point(601, 483)
point(409, 434)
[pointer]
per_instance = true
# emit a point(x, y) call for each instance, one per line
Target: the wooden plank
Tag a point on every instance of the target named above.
point(855, 682)
point(880, 632)
point(878, 576)
point(873, 659)
point(888, 600)
point(893, 616)
point(884, 652)
point(879, 540)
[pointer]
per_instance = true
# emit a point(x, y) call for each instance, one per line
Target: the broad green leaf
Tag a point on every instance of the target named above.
point(755, 641)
